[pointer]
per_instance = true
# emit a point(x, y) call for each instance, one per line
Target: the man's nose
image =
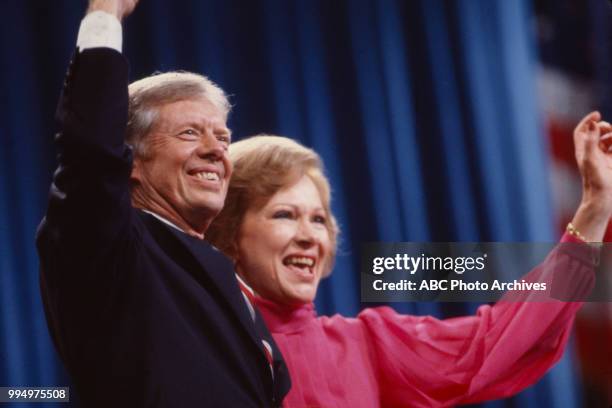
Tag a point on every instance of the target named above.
point(210, 147)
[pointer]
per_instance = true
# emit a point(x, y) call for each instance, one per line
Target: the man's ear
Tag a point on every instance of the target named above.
point(136, 175)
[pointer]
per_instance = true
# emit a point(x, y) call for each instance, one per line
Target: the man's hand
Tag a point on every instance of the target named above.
point(593, 148)
point(118, 8)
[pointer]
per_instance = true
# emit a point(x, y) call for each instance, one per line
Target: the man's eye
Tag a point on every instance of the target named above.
point(224, 139)
point(282, 214)
point(189, 132)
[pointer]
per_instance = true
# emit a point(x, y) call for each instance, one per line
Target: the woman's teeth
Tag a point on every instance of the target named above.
point(208, 176)
point(299, 261)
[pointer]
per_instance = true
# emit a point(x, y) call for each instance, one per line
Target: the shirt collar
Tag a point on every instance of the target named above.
point(162, 219)
point(245, 285)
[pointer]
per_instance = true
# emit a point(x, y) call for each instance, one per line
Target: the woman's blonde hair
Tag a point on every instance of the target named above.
point(263, 165)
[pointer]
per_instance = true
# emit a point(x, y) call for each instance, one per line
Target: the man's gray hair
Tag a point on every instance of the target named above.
point(148, 94)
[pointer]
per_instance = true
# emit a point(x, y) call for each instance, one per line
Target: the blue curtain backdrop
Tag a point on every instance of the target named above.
point(424, 112)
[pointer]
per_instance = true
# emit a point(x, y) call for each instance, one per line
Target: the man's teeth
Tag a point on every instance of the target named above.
point(299, 261)
point(205, 175)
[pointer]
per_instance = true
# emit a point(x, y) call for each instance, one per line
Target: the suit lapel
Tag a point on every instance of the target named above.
point(214, 270)
point(222, 273)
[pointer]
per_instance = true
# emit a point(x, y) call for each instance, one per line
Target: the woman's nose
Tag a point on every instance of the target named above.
point(305, 235)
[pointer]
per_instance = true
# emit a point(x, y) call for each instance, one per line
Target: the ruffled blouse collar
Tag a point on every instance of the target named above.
point(285, 319)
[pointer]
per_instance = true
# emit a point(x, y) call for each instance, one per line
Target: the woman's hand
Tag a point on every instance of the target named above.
point(593, 148)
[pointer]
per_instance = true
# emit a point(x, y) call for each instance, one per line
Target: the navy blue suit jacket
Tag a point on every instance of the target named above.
point(140, 313)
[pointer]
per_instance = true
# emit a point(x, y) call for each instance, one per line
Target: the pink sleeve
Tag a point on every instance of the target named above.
point(424, 361)
point(572, 239)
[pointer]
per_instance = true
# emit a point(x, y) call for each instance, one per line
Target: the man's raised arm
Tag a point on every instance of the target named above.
point(118, 8)
point(89, 202)
point(101, 27)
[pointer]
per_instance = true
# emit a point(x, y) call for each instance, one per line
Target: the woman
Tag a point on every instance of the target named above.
point(278, 228)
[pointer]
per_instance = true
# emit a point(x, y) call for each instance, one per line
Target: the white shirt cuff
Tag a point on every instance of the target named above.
point(100, 29)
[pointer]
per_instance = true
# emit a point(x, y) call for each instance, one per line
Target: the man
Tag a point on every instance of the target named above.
point(142, 310)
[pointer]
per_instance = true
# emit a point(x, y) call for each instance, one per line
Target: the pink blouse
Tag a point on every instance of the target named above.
point(382, 358)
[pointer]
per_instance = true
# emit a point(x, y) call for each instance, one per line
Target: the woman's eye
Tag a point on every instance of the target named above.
point(282, 214)
point(320, 219)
